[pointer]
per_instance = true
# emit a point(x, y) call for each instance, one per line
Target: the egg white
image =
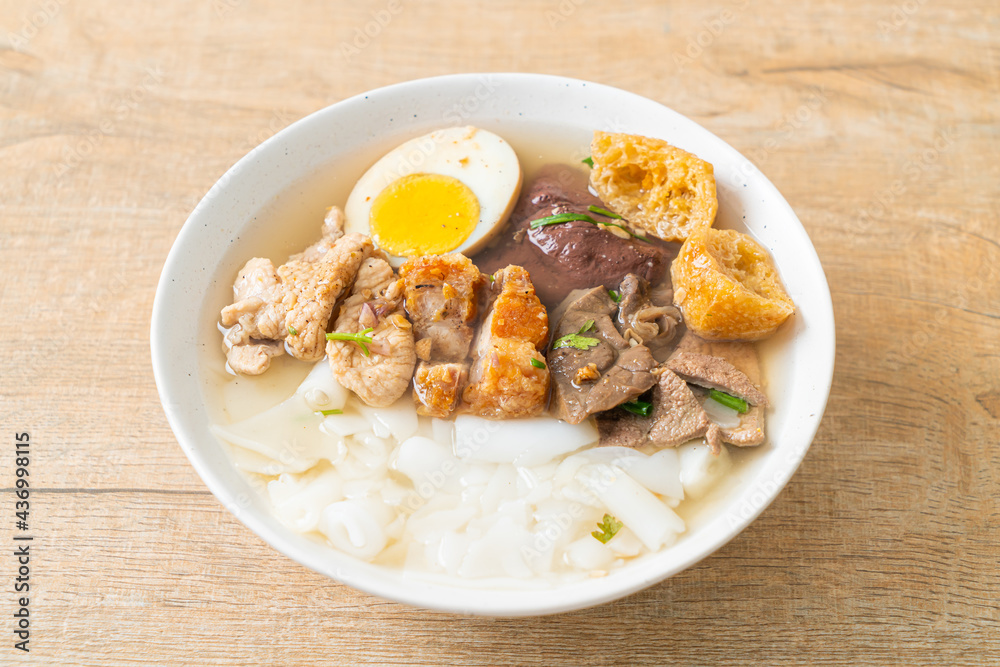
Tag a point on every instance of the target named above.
point(483, 161)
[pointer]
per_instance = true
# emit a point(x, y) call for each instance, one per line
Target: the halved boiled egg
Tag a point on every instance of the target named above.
point(447, 191)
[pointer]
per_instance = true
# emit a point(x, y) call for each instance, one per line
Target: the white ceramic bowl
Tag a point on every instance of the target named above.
point(800, 358)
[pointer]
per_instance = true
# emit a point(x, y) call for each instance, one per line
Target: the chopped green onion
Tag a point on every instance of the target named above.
point(611, 224)
point(605, 212)
point(728, 400)
point(582, 217)
point(589, 161)
point(292, 330)
point(327, 413)
point(361, 338)
point(615, 296)
point(607, 528)
point(560, 218)
point(537, 363)
point(641, 408)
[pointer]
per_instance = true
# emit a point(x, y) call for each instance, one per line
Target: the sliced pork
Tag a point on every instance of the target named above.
point(715, 373)
point(292, 303)
point(378, 371)
point(250, 357)
point(333, 229)
point(312, 290)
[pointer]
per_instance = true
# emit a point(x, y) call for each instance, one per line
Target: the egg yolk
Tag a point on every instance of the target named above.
point(423, 214)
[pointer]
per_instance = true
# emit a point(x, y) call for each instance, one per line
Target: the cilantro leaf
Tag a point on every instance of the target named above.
point(577, 341)
point(608, 528)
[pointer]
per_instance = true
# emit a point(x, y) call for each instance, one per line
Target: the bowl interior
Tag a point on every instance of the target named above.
point(291, 178)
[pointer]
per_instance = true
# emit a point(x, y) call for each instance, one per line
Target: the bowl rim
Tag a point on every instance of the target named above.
point(469, 600)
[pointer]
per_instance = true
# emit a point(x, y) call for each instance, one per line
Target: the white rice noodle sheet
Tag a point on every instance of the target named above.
point(289, 432)
point(588, 554)
point(429, 464)
point(357, 527)
point(299, 502)
point(500, 552)
point(399, 420)
point(655, 524)
point(525, 442)
point(659, 472)
point(700, 469)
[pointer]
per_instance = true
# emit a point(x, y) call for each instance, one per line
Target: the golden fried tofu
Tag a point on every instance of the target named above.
point(658, 188)
point(728, 288)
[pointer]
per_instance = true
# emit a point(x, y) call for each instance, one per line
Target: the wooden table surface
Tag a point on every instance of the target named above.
point(877, 120)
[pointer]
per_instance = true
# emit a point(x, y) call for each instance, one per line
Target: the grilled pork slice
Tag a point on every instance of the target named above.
point(442, 294)
point(380, 376)
point(437, 387)
point(593, 367)
point(442, 297)
point(509, 377)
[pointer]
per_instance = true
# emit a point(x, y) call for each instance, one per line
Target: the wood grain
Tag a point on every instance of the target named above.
point(878, 121)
